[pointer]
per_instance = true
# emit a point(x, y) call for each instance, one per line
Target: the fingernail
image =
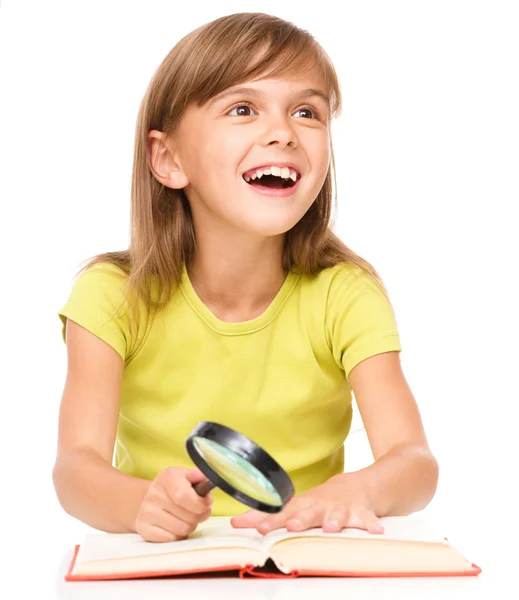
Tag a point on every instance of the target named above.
point(265, 526)
point(333, 524)
point(294, 523)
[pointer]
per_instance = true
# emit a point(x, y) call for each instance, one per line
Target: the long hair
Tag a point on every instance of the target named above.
point(218, 55)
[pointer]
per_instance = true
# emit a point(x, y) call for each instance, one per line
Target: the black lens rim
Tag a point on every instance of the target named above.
point(252, 453)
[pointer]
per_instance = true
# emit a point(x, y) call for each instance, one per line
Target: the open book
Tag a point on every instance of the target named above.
point(409, 546)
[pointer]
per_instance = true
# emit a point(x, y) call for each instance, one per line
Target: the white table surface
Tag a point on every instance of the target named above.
point(485, 585)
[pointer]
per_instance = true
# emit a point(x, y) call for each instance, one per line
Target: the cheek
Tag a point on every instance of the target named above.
point(222, 191)
point(324, 154)
point(227, 148)
point(324, 164)
point(222, 173)
point(317, 147)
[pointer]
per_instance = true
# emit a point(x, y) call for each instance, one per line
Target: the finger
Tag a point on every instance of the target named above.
point(178, 512)
point(276, 521)
point(373, 524)
point(334, 520)
point(195, 476)
point(251, 518)
point(205, 516)
point(175, 520)
point(170, 522)
point(181, 493)
point(304, 519)
point(154, 533)
point(362, 518)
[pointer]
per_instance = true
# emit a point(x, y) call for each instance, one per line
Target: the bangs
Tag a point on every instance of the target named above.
point(255, 53)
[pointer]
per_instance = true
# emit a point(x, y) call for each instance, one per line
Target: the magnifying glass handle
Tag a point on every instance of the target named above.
point(204, 487)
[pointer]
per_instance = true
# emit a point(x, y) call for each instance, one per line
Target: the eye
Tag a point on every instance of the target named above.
point(317, 115)
point(241, 105)
point(312, 110)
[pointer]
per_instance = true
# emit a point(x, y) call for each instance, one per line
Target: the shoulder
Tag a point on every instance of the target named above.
point(103, 272)
point(97, 302)
point(343, 278)
point(355, 296)
point(101, 289)
point(101, 279)
point(360, 321)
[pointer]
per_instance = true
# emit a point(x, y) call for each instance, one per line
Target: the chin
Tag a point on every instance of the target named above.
point(271, 227)
point(271, 222)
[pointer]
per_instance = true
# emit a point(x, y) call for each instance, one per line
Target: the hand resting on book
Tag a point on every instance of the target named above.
point(337, 503)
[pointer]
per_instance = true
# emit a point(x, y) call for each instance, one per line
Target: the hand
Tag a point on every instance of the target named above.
point(171, 509)
point(340, 502)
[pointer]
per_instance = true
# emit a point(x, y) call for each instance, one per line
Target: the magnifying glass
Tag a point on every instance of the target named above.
point(239, 467)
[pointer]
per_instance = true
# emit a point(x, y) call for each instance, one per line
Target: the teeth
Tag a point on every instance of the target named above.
point(284, 172)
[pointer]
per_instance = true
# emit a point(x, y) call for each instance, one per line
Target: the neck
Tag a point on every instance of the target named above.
point(237, 281)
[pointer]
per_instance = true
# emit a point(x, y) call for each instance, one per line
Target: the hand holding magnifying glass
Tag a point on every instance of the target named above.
point(239, 467)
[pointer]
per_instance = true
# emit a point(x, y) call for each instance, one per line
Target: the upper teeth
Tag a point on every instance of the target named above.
point(285, 173)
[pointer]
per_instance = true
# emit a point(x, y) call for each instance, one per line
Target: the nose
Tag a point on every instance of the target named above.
point(279, 130)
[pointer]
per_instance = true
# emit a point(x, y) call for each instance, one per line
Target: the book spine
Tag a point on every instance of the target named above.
point(250, 571)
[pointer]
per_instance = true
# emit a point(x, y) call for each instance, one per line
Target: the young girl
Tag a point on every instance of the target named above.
point(235, 303)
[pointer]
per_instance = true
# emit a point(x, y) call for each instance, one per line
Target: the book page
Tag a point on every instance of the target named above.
point(216, 532)
point(412, 528)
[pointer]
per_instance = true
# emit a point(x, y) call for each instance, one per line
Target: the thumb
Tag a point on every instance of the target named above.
point(195, 476)
point(251, 518)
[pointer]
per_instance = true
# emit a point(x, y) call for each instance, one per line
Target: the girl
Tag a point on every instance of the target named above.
point(235, 303)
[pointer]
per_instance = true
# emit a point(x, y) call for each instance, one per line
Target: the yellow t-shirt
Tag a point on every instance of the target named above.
point(281, 378)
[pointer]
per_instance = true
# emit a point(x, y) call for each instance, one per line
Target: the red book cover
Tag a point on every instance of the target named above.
point(250, 571)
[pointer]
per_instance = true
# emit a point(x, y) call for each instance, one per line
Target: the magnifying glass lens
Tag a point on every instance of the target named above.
point(237, 471)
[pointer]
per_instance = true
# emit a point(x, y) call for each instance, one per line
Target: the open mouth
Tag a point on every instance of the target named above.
point(273, 182)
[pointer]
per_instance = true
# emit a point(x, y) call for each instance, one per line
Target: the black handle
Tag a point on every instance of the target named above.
point(202, 488)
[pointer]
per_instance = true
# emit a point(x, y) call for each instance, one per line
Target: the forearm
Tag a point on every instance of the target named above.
point(400, 482)
point(91, 490)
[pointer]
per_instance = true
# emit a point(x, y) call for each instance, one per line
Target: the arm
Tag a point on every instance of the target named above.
point(402, 479)
point(86, 484)
point(404, 476)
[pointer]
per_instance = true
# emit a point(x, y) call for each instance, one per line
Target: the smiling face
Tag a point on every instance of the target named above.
point(276, 121)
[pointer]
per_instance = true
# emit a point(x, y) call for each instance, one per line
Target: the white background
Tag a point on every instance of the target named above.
point(427, 154)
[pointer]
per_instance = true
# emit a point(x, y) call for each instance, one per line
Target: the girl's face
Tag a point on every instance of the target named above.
point(276, 121)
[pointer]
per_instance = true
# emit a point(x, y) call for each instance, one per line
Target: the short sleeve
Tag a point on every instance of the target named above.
point(360, 320)
point(97, 303)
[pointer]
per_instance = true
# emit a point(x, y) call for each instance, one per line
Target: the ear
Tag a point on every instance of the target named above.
point(163, 162)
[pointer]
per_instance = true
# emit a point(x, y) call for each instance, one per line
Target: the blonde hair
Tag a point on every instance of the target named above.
point(218, 55)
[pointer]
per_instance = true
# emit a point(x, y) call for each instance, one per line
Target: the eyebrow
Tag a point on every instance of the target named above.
point(245, 91)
